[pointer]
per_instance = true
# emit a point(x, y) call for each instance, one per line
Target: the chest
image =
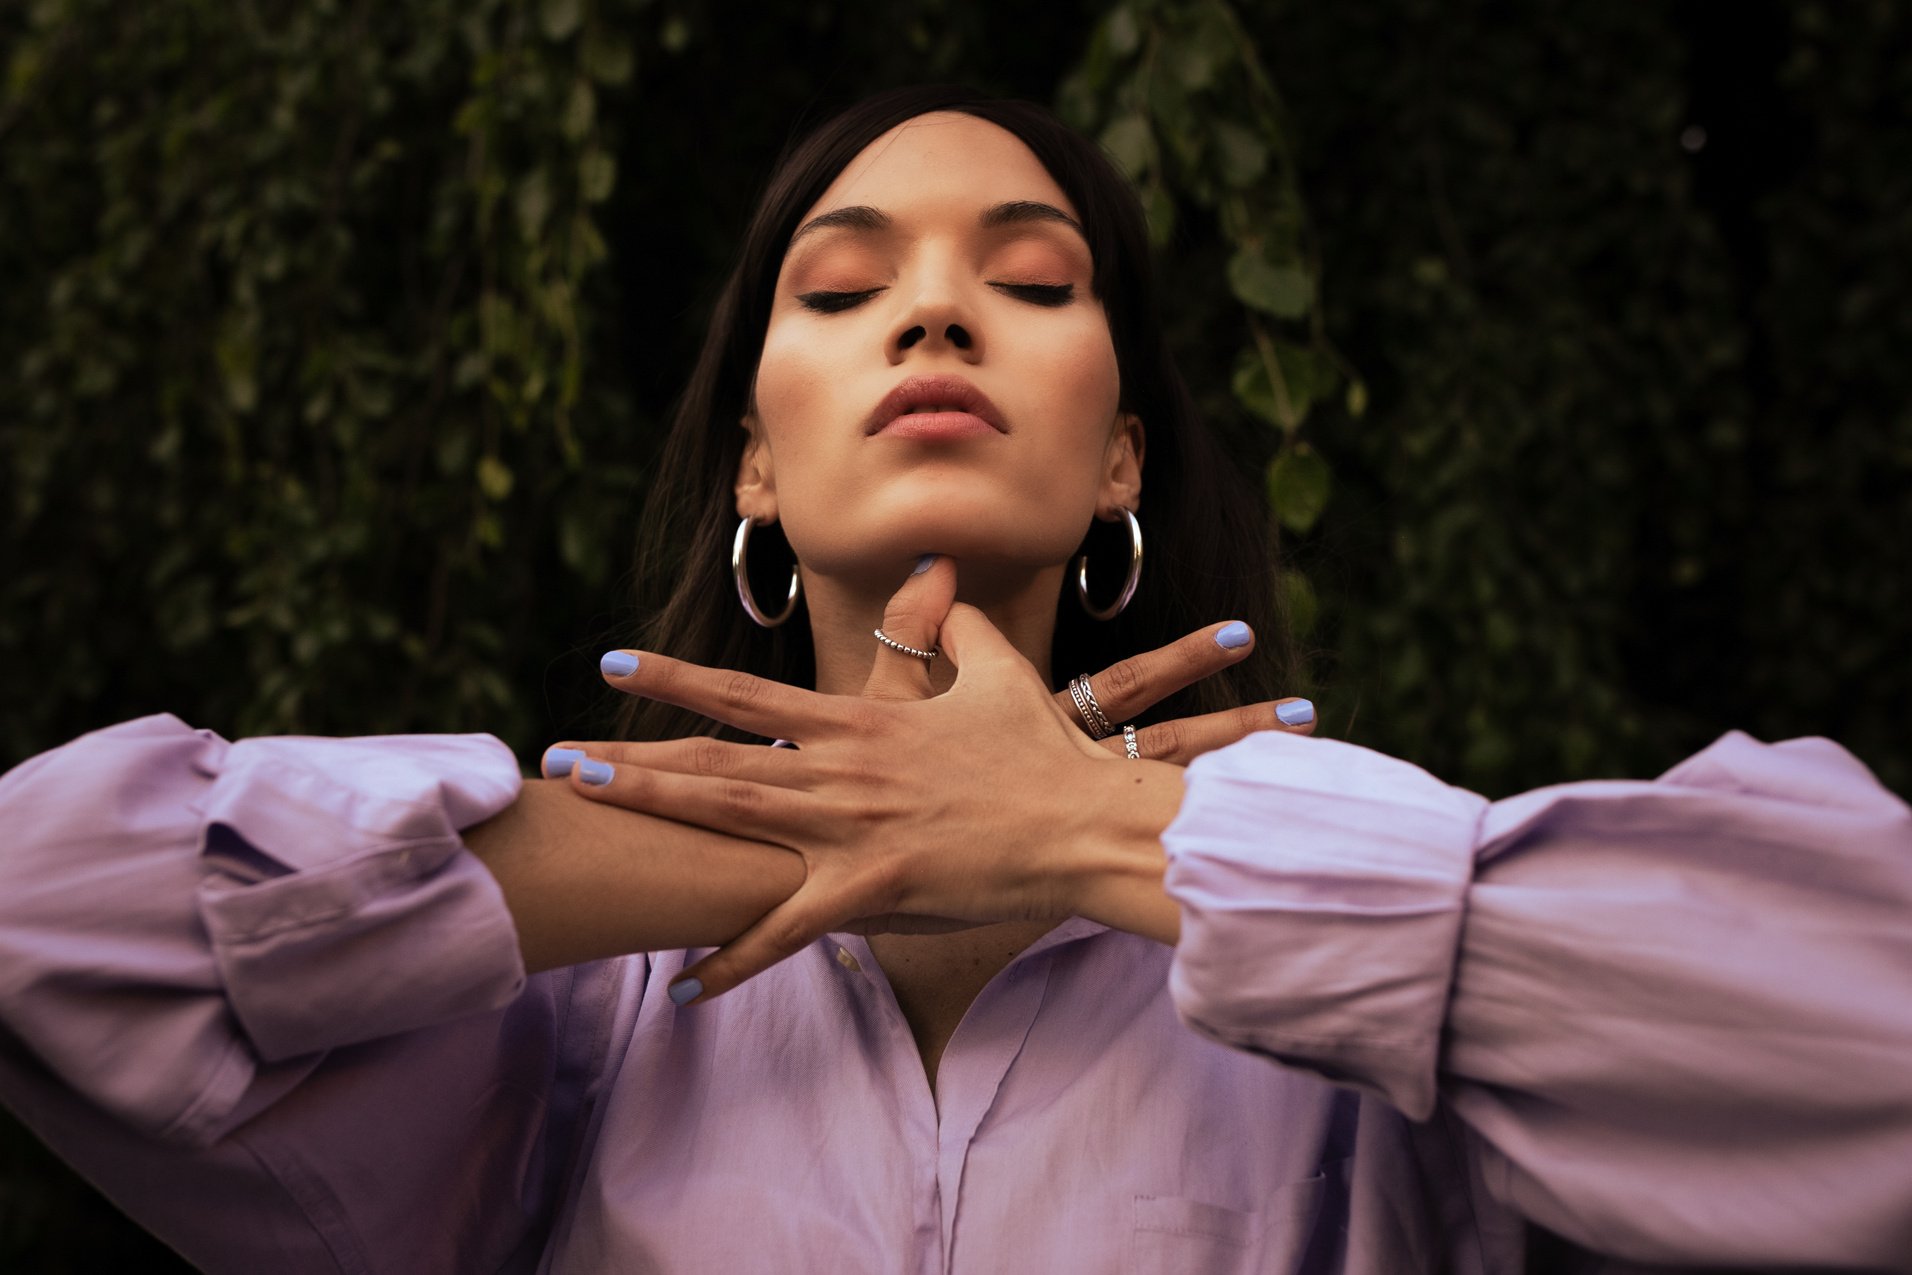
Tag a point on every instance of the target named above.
point(937, 977)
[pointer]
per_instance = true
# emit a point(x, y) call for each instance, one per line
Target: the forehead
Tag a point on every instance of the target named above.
point(943, 160)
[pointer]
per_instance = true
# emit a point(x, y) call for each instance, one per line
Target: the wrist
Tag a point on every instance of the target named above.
point(1111, 861)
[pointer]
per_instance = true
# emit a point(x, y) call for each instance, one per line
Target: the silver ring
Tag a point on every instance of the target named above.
point(894, 645)
point(1128, 742)
point(1093, 718)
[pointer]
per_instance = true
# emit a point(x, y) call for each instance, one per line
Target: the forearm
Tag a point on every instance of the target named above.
point(584, 881)
point(1112, 859)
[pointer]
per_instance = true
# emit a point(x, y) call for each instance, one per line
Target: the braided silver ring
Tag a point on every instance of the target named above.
point(1128, 742)
point(894, 645)
point(1093, 719)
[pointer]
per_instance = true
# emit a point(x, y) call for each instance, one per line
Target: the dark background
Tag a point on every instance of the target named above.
point(1570, 340)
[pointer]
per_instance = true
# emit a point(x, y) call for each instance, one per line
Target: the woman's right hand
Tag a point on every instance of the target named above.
point(985, 803)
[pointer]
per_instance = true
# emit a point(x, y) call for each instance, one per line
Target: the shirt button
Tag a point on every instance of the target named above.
point(847, 961)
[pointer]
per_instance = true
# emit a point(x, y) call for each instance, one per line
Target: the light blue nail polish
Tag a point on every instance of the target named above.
point(618, 664)
point(1296, 712)
point(595, 773)
point(1233, 636)
point(923, 564)
point(686, 989)
point(558, 761)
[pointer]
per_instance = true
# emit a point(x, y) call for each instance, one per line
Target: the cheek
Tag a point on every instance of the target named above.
point(1081, 388)
point(797, 385)
point(790, 374)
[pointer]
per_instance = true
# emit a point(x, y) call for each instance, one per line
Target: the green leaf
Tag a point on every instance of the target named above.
point(237, 353)
point(533, 204)
point(494, 478)
point(1254, 391)
point(1193, 64)
point(1300, 602)
point(1283, 291)
point(1130, 144)
point(1298, 483)
point(1282, 394)
point(608, 59)
point(560, 18)
point(580, 110)
point(1120, 30)
point(1240, 154)
point(1159, 206)
point(597, 174)
point(1357, 400)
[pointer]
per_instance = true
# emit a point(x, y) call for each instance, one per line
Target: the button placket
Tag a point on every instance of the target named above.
point(975, 1063)
point(861, 969)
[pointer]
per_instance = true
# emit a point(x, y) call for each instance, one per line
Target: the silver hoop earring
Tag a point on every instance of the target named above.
point(739, 550)
point(1128, 585)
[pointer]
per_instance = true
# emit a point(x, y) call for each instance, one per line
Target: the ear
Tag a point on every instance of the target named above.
point(1122, 469)
point(756, 477)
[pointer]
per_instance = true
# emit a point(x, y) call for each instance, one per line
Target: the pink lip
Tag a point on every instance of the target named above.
point(965, 410)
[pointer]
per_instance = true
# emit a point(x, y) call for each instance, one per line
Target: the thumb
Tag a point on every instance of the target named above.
point(913, 618)
point(973, 644)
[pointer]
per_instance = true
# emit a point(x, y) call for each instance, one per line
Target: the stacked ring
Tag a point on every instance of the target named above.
point(1093, 719)
point(894, 645)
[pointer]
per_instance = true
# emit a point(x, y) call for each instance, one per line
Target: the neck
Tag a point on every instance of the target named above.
point(1020, 603)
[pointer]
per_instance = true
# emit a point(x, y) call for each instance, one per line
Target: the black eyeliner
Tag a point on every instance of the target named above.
point(1049, 294)
point(833, 302)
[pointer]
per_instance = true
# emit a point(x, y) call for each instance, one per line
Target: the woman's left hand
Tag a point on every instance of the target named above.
point(985, 803)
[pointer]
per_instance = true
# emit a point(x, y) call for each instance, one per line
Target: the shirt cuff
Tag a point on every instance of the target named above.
point(1322, 889)
point(342, 906)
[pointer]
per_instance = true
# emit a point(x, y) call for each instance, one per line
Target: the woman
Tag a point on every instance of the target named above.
point(281, 966)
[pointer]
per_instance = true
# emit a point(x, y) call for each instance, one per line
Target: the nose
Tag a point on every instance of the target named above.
point(954, 334)
point(939, 319)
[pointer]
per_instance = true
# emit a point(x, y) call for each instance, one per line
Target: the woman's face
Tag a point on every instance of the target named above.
point(942, 269)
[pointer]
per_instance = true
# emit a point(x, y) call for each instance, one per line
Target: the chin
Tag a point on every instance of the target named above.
point(1001, 538)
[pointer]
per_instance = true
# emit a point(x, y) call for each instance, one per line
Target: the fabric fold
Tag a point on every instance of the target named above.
point(1322, 889)
point(178, 914)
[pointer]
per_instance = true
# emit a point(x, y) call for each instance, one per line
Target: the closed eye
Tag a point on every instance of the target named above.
point(1049, 294)
point(832, 302)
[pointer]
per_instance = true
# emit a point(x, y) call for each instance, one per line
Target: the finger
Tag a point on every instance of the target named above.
point(973, 644)
point(1137, 684)
point(1183, 740)
point(738, 807)
point(783, 931)
point(914, 617)
point(753, 704)
point(699, 755)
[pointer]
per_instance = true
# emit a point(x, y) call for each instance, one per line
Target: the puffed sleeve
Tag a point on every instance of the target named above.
point(1677, 1014)
point(263, 996)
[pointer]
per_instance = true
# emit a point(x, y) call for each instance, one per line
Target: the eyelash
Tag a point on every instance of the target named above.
point(1043, 294)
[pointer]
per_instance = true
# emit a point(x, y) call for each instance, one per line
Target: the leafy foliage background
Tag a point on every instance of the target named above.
point(335, 340)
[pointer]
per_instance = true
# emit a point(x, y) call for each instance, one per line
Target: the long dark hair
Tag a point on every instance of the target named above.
point(1210, 549)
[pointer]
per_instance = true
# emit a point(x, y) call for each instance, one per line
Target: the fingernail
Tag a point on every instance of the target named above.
point(1296, 712)
point(598, 773)
point(618, 664)
point(1233, 636)
point(923, 564)
point(686, 989)
point(558, 761)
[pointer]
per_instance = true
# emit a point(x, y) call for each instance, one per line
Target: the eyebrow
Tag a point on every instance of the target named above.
point(1019, 212)
point(1016, 212)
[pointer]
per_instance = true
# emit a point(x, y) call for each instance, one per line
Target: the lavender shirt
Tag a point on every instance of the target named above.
point(263, 996)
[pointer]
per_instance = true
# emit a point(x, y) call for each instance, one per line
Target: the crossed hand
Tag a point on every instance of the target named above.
point(921, 812)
